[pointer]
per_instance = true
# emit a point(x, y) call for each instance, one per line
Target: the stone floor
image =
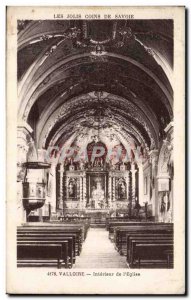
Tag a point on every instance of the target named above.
point(99, 252)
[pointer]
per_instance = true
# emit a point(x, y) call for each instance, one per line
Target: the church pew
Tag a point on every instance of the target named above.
point(121, 232)
point(77, 243)
point(56, 226)
point(138, 236)
point(170, 257)
point(111, 220)
point(118, 230)
point(153, 239)
point(84, 225)
point(151, 253)
point(71, 246)
point(54, 232)
point(113, 225)
point(67, 223)
point(72, 219)
point(121, 244)
point(60, 225)
point(53, 225)
point(64, 244)
point(62, 235)
point(48, 251)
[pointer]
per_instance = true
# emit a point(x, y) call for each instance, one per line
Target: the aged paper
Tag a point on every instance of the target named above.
point(79, 77)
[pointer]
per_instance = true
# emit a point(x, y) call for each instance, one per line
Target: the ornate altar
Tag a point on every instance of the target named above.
point(94, 190)
point(96, 185)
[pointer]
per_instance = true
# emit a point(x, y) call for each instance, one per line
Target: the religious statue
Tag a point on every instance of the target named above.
point(82, 165)
point(121, 189)
point(98, 196)
point(137, 208)
point(163, 208)
point(164, 166)
point(32, 153)
point(72, 189)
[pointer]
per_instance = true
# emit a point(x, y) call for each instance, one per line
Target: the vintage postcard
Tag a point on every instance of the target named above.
point(96, 150)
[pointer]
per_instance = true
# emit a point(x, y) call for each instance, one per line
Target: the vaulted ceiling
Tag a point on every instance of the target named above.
point(79, 77)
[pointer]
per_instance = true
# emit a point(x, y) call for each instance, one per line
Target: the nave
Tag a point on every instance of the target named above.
point(99, 252)
point(95, 140)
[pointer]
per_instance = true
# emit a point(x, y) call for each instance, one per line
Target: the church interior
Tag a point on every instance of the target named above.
point(95, 144)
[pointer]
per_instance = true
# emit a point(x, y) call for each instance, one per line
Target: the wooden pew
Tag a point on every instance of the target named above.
point(112, 220)
point(69, 260)
point(151, 252)
point(112, 225)
point(77, 220)
point(28, 251)
point(148, 233)
point(76, 224)
point(62, 236)
point(48, 234)
point(170, 257)
point(140, 236)
point(54, 231)
point(144, 239)
point(83, 226)
point(121, 246)
point(120, 237)
point(120, 233)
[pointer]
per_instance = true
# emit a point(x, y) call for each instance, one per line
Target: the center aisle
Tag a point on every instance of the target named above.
point(99, 252)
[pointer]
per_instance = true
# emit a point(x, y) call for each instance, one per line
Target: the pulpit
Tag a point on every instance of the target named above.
point(34, 195)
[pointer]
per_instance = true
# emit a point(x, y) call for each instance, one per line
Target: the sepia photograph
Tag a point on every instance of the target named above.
point(95, 159)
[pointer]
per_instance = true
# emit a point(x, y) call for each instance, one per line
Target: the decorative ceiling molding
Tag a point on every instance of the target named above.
point(85, 79)
point(84, 111)
point(33, 93)
point(125, 103)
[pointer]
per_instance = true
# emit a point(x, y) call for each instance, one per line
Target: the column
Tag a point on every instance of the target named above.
point(23, 137)
point(170, 213)
point(52, 187)
point(141, 185)
point(113, 193)
point(84, 191)
point(81, 192)
point(61, 186)
point(133, 172)
point(105, 179)
point(21, 214)
point(127, 184)
point(154, 169)
point(170, 135)
point(130, 193)
point(109, 191)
